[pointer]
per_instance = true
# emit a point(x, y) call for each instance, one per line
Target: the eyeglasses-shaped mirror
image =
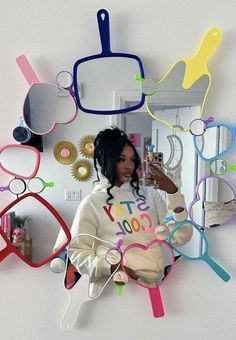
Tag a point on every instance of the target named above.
point(20, 160)
point(223, 190)
point(186, 83)
point(220, 136)
point(45, 104)
point(18, 186)
point(30, 226)
point(100, 75)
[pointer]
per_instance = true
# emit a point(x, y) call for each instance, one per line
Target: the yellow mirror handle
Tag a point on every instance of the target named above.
point(197, 65)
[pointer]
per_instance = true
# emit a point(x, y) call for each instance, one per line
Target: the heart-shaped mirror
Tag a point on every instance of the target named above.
point(45, 104)
point(145, 265)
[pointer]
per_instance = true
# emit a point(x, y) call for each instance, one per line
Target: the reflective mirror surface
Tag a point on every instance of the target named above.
point(214, 136)
point(213, 186)
point(170, 93)
point(99, 247)
point(20, 160)
point(45, 105)
point(32, 229)
point(200, 237)
point(188, 81)
point(142, 266)
point(101, 77)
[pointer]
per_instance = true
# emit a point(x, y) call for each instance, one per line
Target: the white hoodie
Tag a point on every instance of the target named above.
point(125, 219)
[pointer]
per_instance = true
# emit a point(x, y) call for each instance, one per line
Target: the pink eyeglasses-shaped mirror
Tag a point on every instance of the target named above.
point(29, 229)
point(45, 105)
point(145, 266)
point(19, 160)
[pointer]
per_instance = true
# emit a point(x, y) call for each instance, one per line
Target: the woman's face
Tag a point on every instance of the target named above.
point(125, 166)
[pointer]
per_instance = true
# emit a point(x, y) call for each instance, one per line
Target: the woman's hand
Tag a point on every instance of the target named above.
point(160, 180)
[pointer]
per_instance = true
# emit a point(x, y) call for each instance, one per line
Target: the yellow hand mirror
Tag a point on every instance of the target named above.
point(185, 85)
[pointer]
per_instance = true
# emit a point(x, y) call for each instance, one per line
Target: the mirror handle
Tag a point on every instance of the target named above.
point(156, 300)
point(196, 66)
point(231, 167)
point(104, 30)
point(216, 267)
point(209, 44)
point(27, 70)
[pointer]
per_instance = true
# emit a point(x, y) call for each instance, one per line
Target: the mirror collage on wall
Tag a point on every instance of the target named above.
point(167, 125)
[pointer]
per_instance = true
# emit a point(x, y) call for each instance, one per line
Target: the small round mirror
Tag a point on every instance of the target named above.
point(197, 127)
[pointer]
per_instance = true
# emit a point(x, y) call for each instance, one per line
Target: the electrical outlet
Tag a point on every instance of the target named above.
point(73, 194)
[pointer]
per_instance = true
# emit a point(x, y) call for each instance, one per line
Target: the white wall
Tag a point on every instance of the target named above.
point(54, 34)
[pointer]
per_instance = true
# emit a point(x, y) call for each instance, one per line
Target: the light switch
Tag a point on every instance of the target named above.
point(73, 194)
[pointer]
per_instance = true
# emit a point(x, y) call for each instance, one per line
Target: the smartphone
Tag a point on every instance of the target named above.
point(155, 158)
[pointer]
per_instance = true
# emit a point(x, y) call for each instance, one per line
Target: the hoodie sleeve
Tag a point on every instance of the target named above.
point(167, 209)
point(84, 251)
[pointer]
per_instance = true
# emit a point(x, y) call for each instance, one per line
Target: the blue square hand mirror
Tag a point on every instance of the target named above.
point(102, 74)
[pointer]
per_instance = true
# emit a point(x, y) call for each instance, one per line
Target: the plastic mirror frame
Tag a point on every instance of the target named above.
point(32, 79)
point(206, 49)
point(145, 247)
point(106, 53)
point(198, 198)
point(112, 245)
point(10, 248)
point(209, 126)
point(179, 226)
point(38, 158)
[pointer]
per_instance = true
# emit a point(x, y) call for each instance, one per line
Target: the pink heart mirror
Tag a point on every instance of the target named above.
point(45, 105)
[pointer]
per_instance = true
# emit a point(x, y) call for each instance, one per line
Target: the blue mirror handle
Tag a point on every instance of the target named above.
point(104, 29)
point(216, 267)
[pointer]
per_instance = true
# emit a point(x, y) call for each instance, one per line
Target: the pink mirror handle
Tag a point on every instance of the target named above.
point(156, 300)
point(27, 70)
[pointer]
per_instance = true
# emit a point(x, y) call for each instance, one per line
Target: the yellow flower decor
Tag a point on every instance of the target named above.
point(86, 146)
point(82, 170)
point(65, 152)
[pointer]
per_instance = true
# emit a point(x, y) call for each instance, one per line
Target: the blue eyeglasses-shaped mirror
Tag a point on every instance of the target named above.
point(100, 75)
point(221, 139)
